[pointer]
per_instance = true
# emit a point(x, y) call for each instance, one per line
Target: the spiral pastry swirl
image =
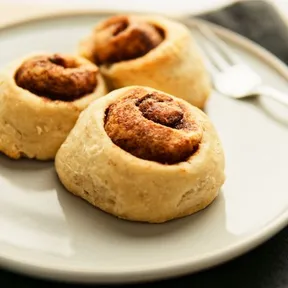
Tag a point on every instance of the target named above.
point(42, 95)
point(121, 38)
point(150, 51)
point(144, 155)
point(58, 77)
point(153, 126)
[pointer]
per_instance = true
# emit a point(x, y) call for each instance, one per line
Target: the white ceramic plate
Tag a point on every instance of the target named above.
point(47, 232)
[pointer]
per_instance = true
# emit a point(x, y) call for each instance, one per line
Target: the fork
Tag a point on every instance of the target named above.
point(229, 74)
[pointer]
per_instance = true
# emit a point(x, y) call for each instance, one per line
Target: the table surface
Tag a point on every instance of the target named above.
point(265, 266)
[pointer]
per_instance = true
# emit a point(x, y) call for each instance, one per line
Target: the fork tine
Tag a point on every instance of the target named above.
point(220, 44)
point(209, 66)
point(214, 56)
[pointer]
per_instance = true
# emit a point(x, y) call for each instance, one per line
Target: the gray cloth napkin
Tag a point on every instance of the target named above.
point(257, 20)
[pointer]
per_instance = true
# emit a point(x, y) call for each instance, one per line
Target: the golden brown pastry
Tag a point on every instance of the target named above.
point(41, 98)
point(143, 155)
point(150, 51)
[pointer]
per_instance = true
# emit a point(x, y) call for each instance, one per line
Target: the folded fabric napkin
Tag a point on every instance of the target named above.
point(257, 20)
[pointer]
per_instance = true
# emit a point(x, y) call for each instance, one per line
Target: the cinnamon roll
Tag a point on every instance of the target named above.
point(41, 98)
point(143, 155)
point(149, 51)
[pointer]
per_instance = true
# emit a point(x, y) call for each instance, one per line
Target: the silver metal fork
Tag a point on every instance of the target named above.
point(230, 75)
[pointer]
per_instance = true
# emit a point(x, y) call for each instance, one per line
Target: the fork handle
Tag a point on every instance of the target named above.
point(273, 93)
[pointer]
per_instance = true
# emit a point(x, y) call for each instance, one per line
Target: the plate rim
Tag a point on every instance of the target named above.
point(171, 269)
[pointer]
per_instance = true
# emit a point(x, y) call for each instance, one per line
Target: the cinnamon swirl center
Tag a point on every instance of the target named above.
point(153, 126)
point(122, 38)
point(57, 77)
